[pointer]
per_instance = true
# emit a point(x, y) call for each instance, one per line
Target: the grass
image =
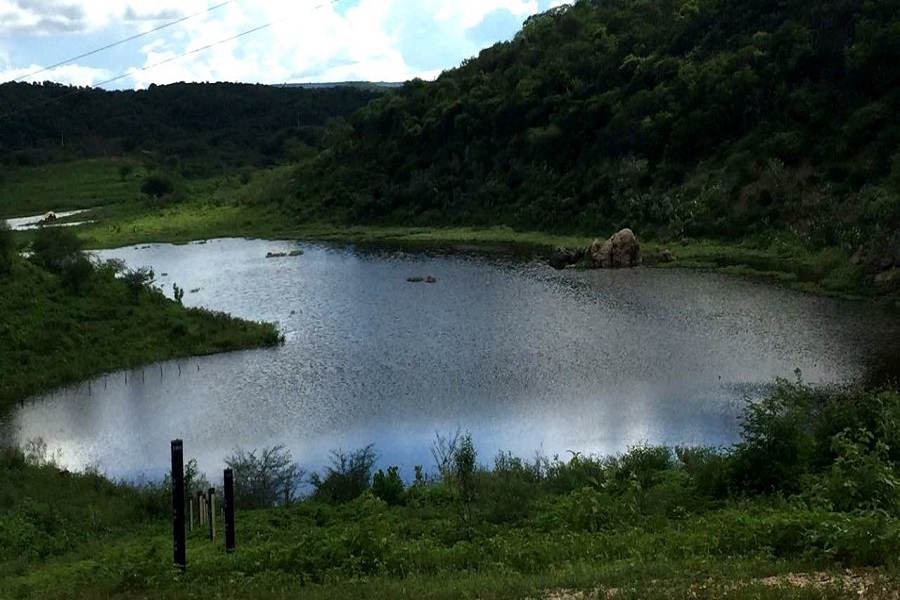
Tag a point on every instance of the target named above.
point(644, 524)
point(65, 186)
point(223, 206)
point(55, 335)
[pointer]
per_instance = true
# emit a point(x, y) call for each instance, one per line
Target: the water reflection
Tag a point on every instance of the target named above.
point(524, 357)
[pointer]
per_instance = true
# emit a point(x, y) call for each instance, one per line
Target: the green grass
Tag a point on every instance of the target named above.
point(650, 523)
point(55, 335)
point(223, 206)
point(68, 186)
point(644, 524)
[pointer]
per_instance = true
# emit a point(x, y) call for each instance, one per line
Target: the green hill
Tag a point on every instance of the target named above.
point(706, 118)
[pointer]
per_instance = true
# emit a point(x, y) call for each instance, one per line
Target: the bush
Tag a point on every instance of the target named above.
point(271, 478)
point(55, 248)
point(861, 477)
point(7, 248)
point(157, 186)
point(777, 442)
point(388, 486)
point(137, 281)
point(348, 478)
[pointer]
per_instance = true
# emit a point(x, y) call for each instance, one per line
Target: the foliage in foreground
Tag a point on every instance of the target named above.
point(697, 522)
point(66, 319)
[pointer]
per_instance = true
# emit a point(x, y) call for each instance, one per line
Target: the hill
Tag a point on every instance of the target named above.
point(707, 118)
point(207, 125)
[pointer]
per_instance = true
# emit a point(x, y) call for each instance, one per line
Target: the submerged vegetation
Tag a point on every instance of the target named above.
point(812, 487)
point(66, 318)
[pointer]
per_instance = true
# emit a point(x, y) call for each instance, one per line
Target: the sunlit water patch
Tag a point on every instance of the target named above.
point(525, 358)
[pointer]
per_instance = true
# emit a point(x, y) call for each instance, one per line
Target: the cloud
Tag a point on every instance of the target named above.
point(303, 40)
point(75, 75)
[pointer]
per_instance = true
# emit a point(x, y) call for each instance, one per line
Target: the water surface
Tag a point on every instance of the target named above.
point(526, 358)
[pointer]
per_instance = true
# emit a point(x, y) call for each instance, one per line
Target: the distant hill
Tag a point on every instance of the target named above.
point(365, 85)
point(702, 118)
point(234, 124)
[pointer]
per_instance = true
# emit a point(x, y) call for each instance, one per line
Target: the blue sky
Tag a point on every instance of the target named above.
point(308, 41)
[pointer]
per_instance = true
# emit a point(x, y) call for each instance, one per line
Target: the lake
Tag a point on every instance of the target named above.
point(526, 358)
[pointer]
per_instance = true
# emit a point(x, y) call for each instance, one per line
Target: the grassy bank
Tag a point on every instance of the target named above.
point(227, 206)
point(60, 328)
point(805, 506)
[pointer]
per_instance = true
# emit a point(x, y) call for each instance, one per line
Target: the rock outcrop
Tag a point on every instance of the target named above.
point(561, 258)
point(620, 251)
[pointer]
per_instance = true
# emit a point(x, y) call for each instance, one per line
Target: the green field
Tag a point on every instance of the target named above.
point(225, 207)
point(805, 506)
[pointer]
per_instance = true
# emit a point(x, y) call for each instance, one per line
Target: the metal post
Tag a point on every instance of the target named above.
point(178, 541)
point(212, 514)
point(228, 505)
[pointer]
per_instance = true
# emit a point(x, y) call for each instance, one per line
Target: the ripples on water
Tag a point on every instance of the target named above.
point(526, 358)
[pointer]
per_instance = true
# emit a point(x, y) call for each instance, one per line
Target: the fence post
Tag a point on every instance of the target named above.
point(212, 514)
point(178, 541)
point(191, 506)
point(201, 507)
point(228, 505)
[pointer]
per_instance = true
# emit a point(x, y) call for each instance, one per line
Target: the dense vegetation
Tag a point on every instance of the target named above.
point(707, 118)
point(65, 318)
point(812, 487)
point(198, 129)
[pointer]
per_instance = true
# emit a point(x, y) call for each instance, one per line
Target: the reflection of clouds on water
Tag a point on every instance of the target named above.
point(524, 357)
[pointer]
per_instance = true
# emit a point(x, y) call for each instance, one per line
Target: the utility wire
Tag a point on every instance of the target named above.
point(125, 41)
point(166, 61)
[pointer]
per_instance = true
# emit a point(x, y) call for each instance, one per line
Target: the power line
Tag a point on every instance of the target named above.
point(125, 41)
point(208, 46)
point(166, 61)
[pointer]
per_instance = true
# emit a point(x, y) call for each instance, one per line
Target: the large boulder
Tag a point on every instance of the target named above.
point(620, 251)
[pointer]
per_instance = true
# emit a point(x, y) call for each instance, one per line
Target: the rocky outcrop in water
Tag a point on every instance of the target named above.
point(561, 258)
point(620, 251)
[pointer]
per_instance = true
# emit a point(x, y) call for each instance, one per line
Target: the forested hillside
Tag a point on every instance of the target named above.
point(712, 118)
point(212, 125)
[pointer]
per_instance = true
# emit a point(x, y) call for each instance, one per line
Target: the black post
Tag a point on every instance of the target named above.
point(178, 541)
point(212, 513)
point(228, 505)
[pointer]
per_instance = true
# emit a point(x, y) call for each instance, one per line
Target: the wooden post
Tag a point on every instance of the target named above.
point(228, 505)
point(178, 541)
point(201, 507)
point(212, 514)
point(191, 506)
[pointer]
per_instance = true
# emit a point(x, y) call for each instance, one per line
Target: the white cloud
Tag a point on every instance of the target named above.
point(306, 40)
point(67, 74)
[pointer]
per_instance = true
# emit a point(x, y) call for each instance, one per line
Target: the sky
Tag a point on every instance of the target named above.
point(296, 41)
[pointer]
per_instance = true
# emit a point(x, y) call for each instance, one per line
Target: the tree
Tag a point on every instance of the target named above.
point(349, 476)
point(270, 478)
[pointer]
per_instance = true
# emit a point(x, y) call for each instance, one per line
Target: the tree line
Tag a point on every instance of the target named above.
point(712, 118)
point(234, 124)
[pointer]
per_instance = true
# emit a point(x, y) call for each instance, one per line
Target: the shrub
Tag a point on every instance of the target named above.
point(777, 442)
point(270, 478)
point(7, 248)
point(861, 477)
point(137, 281)
point(348, 478)
point(388, 486)
point(55, 248)
point(157, 186)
